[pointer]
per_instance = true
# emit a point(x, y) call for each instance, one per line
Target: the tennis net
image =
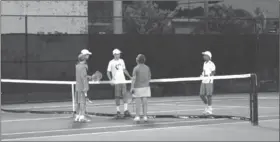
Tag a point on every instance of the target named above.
point(235, 97)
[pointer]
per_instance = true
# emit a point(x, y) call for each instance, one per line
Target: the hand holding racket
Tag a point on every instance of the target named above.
point(97, 76)
point(88, 100)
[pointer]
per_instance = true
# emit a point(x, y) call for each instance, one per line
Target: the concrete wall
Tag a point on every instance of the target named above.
point(70, 25)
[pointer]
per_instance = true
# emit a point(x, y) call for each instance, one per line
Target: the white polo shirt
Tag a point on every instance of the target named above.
point(208, 68)
point(117, 68)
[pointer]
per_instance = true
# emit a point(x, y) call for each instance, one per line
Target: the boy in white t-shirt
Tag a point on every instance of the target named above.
point(115, 72)
point(206, 88)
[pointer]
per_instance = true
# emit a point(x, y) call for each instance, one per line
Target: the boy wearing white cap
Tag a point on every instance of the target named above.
point(206, 88)
point(115, 72)
point(82, 86)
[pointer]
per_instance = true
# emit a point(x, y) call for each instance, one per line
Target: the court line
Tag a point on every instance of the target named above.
point(104, 104)
point(105, 127)
point(125, 131)
point(120, 126)
point(213, 105)
point(53, 118)
point(34, 119)
point(180, 110)
point(162, 101)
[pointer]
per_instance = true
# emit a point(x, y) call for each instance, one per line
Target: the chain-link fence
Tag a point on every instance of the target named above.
point(45, 45)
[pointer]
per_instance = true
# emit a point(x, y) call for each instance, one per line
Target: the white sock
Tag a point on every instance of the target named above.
point(210, 107)
point(125, 106)
point(118, 108)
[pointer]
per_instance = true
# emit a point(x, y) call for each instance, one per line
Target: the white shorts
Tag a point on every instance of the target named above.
point(142, 92)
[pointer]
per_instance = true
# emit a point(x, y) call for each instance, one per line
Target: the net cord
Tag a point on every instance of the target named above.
point(72, 83)
point(240, 76)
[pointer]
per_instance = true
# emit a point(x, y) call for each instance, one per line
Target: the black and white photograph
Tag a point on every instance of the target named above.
point(141, 70)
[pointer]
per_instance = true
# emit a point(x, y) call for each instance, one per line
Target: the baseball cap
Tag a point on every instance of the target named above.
point(208, 53)
point(116, 51)
point(85, 52)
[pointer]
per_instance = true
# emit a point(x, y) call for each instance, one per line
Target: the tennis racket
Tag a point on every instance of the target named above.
point(97, 76)
point(89, 101)
point(132, 100)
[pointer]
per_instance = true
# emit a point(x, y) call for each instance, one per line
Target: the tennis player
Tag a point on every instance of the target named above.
point(206, 88)
point(82, 85)
point(116, 72)
point(140, 86)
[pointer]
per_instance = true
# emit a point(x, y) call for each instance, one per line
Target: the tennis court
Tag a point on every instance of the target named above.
point(60, 127)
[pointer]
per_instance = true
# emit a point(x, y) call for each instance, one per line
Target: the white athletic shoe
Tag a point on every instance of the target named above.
point(137, 118)
point(205, 110)
point(145, 118)
point(83, 119)
point(77, 118)
point(210, 110)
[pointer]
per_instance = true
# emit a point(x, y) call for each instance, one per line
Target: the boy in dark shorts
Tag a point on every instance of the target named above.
point(82, 86)
point(115, 72)
point(206, 88)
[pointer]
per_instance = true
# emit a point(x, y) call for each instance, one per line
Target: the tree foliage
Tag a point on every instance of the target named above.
point(225, 19)
point(145, 17)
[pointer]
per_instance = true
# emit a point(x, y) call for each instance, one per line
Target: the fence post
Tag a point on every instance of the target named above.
point(26, 54)
point(117, 19)
point(206, 8)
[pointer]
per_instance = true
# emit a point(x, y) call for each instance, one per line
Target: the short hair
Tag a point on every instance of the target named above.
point(81, 58)
point(141, 59)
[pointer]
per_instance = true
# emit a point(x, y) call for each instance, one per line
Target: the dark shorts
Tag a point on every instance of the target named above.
point(121, 91)
point(206, 89)
point(80, 97)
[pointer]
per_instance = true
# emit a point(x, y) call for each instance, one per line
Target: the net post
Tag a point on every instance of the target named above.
point(73, 97)
point(254, 101)
point(251, 98)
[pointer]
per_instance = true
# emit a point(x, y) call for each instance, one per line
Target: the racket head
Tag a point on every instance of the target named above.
point(131, 98)
point(97, 76)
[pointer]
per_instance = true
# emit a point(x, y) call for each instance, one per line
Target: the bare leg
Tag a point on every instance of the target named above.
point(138, 106)
point(83, 108)
point(209, 97)
point(118, 102)
point(203, 98)
point(145, 105)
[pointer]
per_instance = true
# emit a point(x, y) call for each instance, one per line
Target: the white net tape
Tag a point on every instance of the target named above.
point(129, 81)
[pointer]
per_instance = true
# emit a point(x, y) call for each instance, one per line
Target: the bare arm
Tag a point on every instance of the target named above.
point(125, 70)
point(109, 75)
point(213, 73)
point(150, 74)
point(133, 79)
point(213, 70)
point(84, 77)
point(127, 73)
point(109, 71)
